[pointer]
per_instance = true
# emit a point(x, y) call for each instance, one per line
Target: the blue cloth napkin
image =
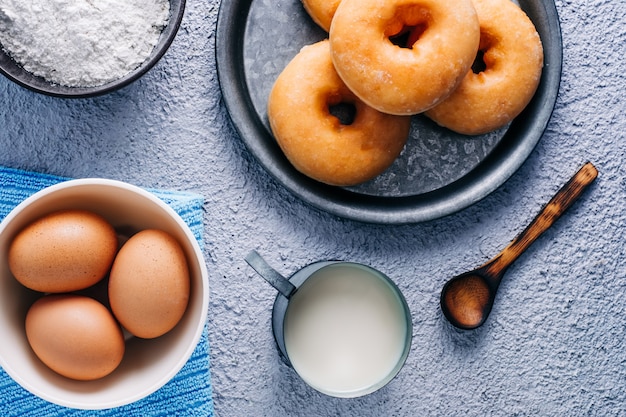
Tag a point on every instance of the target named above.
point(189, 393)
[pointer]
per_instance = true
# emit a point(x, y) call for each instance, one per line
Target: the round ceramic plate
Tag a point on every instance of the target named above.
point(438, 173)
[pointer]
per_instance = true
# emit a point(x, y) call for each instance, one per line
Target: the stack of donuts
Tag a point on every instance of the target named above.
point(471, 66)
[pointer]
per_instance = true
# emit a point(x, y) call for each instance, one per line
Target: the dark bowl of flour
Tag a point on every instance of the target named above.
point(83, 49)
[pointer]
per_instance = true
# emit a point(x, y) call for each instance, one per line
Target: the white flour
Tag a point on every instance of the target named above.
point(82, 43)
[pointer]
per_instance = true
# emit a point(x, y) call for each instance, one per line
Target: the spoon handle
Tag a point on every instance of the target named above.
point(276, 280)
point(561, 201)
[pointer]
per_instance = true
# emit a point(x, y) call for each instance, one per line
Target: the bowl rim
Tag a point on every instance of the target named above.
point(14, 71)
point(199, 327)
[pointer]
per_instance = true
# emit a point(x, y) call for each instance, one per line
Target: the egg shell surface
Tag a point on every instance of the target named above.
point(149, 284)
point(75, 336)
point(64, 251)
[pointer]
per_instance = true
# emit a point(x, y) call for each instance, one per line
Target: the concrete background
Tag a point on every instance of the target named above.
point(555, 342)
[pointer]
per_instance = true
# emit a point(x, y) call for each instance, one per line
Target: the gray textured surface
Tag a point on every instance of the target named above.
point(556, 341)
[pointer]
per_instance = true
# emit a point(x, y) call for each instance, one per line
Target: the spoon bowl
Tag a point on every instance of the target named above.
point(467, 299)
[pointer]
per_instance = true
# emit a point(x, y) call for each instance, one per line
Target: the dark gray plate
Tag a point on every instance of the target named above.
point(438, 173)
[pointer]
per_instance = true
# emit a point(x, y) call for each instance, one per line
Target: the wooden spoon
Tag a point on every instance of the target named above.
point(466, 299)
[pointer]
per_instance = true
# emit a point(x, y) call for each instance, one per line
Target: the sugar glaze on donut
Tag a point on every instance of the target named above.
point(404, 80)
point(512, 60)
point(318, 143)
point(321, 11)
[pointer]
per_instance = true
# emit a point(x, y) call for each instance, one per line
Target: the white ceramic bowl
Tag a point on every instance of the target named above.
point(147, 364)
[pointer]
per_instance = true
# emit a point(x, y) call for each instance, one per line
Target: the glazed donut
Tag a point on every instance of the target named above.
point(321, 11)
point(318, 143)
point(443, 37)
point(512, 61)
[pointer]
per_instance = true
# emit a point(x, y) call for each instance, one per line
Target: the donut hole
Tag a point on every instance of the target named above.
point(345, 112)
point(408, 26)
point(479, 63)
point(482, 61)
point(407, 37)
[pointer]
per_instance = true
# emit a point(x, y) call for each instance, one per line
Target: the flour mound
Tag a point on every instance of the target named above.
point(81, 43)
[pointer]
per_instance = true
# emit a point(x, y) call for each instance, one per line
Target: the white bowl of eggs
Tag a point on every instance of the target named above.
point(103, 293)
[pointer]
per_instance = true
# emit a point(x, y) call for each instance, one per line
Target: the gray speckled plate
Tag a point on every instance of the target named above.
point(438, 173)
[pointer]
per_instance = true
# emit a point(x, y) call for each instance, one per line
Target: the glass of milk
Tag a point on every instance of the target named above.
point(344, 327)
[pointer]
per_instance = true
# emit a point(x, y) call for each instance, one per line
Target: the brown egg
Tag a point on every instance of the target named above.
point(64, 251)
point(149, 284)
point(75, 336)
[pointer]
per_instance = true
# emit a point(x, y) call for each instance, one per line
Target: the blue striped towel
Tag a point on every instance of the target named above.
point(189, 393)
